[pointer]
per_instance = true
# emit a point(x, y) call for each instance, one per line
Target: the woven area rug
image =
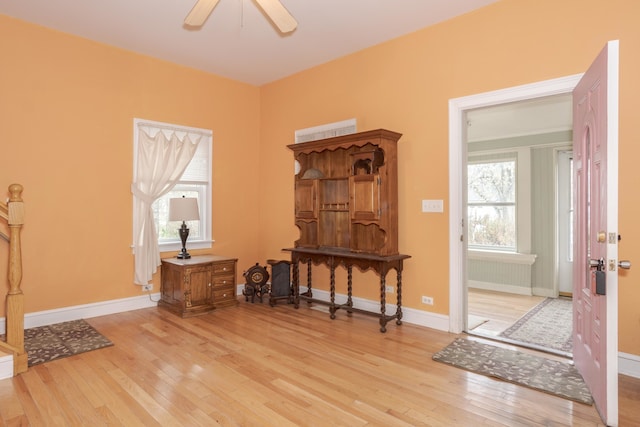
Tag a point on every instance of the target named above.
point(550, 376)
point(46, 343)
point(548, 325)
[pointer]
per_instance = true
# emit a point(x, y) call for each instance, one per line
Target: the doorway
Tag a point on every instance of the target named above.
point(459, 109)
point(518, 222)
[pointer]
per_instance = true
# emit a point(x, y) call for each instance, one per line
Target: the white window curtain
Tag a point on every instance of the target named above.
point(161, 161)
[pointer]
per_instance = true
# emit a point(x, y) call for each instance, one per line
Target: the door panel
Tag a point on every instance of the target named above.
point(595, 147)
point(306, 199)
point(365, 193)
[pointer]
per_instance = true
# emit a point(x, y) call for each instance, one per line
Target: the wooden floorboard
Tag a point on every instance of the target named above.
point(256, 365)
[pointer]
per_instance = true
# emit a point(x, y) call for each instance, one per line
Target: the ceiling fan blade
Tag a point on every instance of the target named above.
point(278, 14)
point(200, 12)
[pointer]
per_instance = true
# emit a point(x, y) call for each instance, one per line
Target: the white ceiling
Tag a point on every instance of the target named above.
point(238, 41)
point(531, 117)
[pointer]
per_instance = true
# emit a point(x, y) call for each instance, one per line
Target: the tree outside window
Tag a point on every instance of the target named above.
point(492, 205)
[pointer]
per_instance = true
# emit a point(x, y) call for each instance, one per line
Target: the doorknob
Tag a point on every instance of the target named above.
point(597, 263)
point(626, 265)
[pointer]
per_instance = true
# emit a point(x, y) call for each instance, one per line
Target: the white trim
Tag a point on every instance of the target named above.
point(504, 257)
point(523, 204)
point(6, 367)
point(85, 311)
point(612, 297)
point(457, 148)
point(344, 127)
point(544, 292)
point(489, 286)
point(409, 315)
point(629, 364)
point(176, 246)
point(153, 125)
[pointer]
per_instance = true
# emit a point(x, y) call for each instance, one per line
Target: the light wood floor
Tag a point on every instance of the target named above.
point(499, 309)
point(255, 365)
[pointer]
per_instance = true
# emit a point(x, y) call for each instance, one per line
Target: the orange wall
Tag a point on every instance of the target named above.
point(404, 85)
point(66, 130)
point(67, 104)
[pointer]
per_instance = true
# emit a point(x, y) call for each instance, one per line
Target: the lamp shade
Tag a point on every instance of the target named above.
point(183, 209)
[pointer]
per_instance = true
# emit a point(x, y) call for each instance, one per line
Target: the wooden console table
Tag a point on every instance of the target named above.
point(364, 261)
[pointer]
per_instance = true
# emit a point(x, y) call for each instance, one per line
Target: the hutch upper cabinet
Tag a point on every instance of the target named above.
point(346, 193)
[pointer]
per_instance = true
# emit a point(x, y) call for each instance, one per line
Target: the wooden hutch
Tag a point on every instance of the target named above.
point(346, 207)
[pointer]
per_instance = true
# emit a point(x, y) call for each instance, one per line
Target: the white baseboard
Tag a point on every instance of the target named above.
point(6, 367)
point(499, 287)
point(629, 364)
point(85, 311)
point(544, 292)
point(409, 315)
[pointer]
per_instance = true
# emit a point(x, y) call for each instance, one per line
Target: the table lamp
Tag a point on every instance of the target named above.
point(183, 209)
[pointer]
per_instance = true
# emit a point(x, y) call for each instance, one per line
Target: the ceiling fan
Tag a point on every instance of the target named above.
point(273, 8)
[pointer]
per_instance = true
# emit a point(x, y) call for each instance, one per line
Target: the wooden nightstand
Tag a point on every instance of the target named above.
point(198, 285)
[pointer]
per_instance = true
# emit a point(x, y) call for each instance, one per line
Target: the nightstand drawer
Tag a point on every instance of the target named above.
point(223, 281)
point(223, 293)
point(224, 268)
point(224, 297)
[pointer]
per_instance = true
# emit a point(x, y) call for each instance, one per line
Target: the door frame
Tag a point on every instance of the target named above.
point(457, 158)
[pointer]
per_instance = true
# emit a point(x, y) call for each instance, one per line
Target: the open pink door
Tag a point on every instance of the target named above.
point(595, 280)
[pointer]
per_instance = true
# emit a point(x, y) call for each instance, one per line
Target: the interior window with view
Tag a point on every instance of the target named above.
point(492, 205)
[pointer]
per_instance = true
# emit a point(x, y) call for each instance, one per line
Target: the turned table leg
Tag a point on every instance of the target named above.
point(383, 302)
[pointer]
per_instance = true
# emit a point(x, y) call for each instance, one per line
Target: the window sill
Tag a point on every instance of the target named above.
point(176, 246)
point(506, 257)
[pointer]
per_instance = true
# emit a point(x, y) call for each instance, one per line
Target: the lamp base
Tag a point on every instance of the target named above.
point(184, 234)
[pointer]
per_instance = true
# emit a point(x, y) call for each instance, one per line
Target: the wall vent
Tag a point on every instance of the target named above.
point(329, 130)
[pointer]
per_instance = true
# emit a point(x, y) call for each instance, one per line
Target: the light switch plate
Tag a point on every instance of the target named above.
point(432, 206)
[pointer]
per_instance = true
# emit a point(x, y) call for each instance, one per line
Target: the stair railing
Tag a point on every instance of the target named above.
point(13, 213)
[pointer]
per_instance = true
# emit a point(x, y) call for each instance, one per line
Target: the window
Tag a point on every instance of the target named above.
point(194, 182)
point(492, 208)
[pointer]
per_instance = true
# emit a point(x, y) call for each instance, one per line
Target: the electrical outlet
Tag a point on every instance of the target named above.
point(427, 300)
point(147, 288)
point(388, 289)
